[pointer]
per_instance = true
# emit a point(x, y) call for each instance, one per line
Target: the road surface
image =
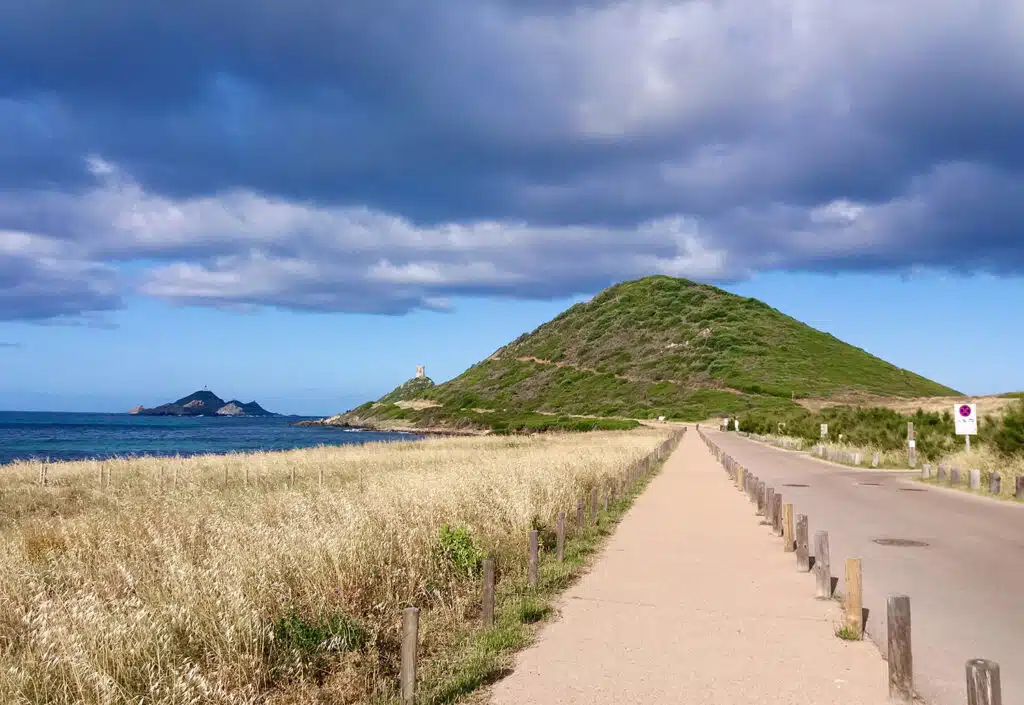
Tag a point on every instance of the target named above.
point(693, 602)
point(966, 586)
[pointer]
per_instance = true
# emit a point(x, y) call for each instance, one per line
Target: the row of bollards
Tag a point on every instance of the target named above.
point(586, 515)
point(983, 685)
point(953, 478)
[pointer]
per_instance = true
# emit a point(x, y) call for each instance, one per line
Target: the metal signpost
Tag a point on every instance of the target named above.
point(965, 416)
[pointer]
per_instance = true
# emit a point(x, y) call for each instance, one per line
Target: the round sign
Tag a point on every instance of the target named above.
point(965, 410)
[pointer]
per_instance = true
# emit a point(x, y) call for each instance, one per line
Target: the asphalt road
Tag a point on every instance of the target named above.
point(966, 586)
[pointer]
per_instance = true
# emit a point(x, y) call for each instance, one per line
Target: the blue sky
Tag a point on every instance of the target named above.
point(314, 196)
point(951, 329)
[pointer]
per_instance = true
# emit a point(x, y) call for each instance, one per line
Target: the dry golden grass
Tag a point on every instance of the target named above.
point(988, 461)
point(992, 405)
point(165, 585)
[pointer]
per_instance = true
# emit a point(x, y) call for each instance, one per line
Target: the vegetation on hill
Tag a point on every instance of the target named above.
point(886, 430)
point(661, 346)
point(409, 389)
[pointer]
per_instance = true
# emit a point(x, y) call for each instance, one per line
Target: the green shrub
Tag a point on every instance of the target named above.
point(303, 645)
point(457, 550)
point(1009, 435)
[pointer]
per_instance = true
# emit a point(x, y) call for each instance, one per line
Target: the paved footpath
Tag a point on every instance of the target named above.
point(692, 601)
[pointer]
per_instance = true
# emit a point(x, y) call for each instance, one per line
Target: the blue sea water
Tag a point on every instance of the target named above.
point(71, 436)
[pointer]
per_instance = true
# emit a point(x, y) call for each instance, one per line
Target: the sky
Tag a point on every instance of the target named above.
point(299, 202)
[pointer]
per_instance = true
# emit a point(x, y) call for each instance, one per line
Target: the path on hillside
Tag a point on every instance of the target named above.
point(966, 586)
point(692, 601)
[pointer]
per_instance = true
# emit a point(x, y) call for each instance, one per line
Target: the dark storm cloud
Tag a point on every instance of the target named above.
point(389, 155)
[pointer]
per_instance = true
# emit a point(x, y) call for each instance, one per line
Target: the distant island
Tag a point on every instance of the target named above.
point(204, 403)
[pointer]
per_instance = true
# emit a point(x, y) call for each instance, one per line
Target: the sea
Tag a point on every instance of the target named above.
point(75, 436)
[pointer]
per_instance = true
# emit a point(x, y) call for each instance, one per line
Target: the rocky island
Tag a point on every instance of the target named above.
point(203, 403)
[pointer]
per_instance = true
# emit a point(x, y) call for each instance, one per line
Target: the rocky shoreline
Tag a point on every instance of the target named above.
point(393, 428)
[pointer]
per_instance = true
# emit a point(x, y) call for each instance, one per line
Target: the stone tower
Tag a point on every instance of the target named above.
point(420, 371)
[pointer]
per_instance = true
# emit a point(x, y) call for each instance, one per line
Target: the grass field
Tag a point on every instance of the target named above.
point(281, 577)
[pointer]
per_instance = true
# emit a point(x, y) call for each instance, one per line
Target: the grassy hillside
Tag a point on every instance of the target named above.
point(663, 346)
point(409, 389)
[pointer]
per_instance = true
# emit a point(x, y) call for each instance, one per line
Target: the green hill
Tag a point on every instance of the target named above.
point(670, 347)
point(409, 389)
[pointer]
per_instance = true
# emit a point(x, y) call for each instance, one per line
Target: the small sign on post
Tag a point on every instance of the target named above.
point(911, 444)
point(965, 419)
point(824, 430)
point(736, 423)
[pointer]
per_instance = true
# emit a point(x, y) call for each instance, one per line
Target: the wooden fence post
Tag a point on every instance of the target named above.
point(983, 686)
point(822, 566)
point(1020, 488)
point(769, 505)
point(900, 658)
point(853, 605)
point(995, 483)
point(534, 558)
point(803, 559)
point(561, 537)
point(954, 476)
point(593, 505)
point(579, 513)
point(777, 515)
point(488, 597)
point(410, 644)
point(787, 528)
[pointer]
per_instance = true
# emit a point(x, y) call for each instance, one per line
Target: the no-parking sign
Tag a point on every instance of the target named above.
point(966, 418)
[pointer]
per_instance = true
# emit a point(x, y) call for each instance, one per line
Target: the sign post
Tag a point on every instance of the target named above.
point(911, 444)
point(824, 430)
point(965, 417)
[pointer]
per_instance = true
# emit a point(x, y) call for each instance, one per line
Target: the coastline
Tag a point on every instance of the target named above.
point(396, 428)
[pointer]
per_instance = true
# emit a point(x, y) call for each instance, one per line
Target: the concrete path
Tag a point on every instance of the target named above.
point(965, 583)
point(692, 602)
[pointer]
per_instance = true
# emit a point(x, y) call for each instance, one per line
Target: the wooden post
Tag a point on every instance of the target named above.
point(593, 505)
point(911, 443)
point(900, 658)
point(410, 644)
point(788, 544)
point(488, 597)
point(983, 686)
point(803, 558)
point(954, 476)
point(995, 483)
point(875, 459)
point(534, 558)
point(777, 515)
point(246, 475)
point(561, 537)
point(822, 566)
point(320, 478)
point(291, 480)
point(225, 477)
point(853, 605)
point(1020, 488)
point(769, 505)
point(579, 513)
